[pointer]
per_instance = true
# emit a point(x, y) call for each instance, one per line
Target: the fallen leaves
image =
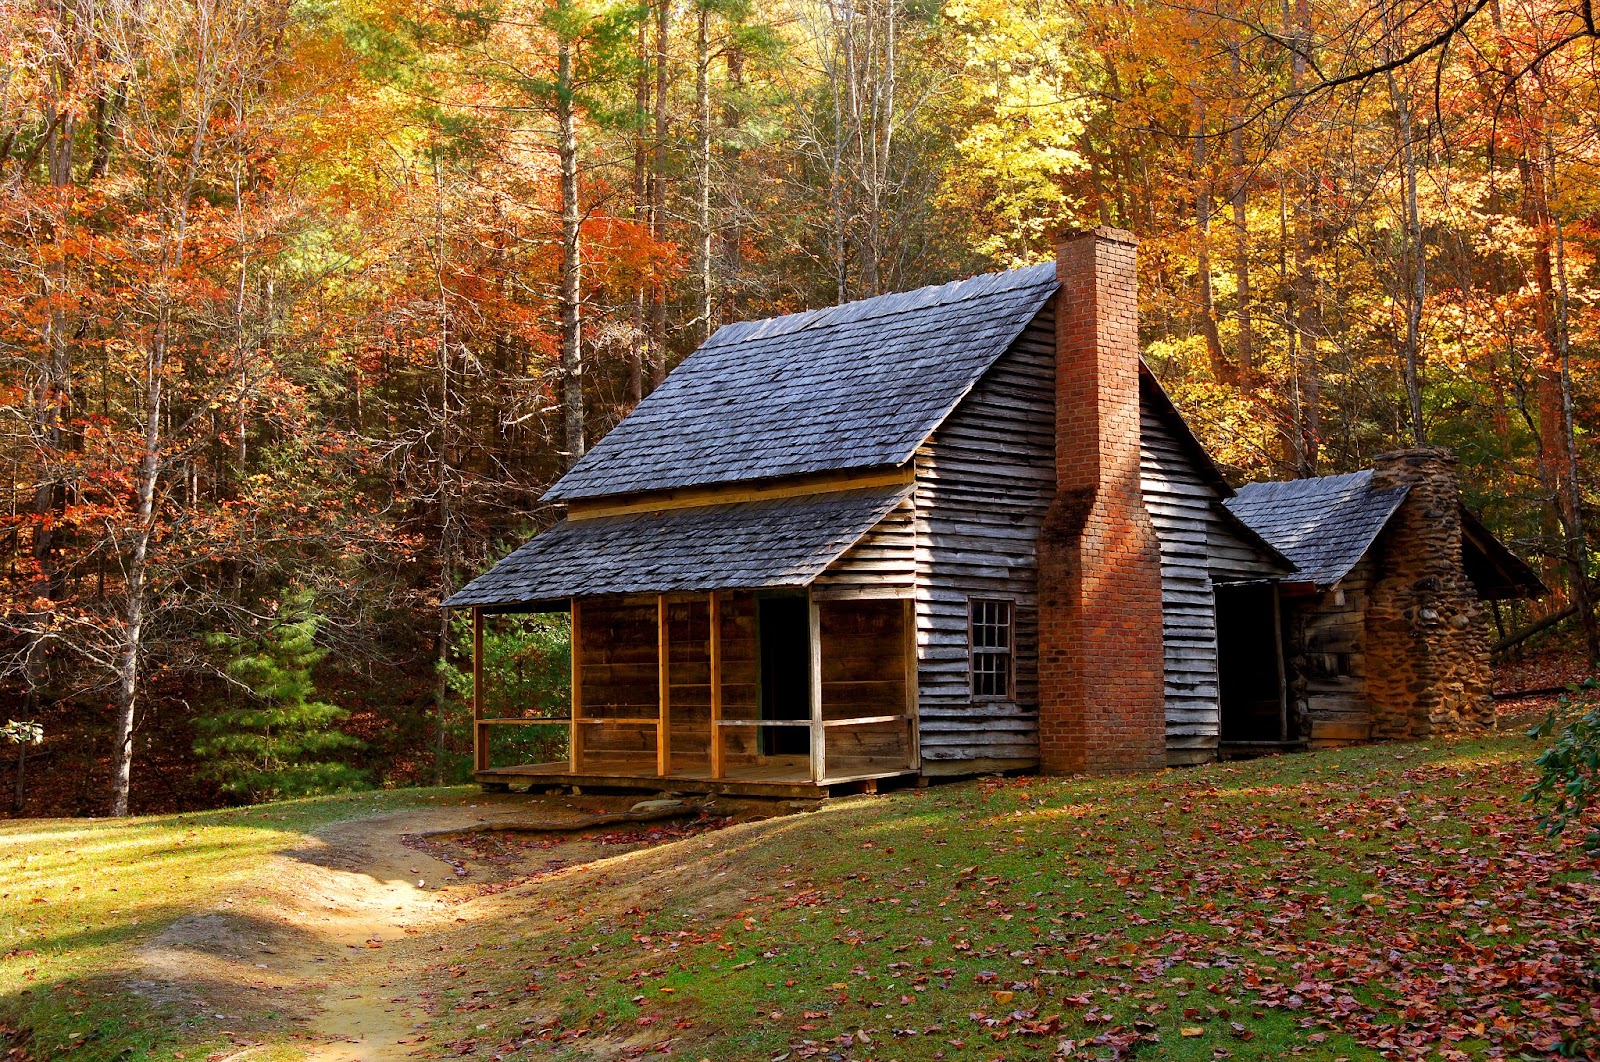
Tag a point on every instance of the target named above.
point(1394, 902)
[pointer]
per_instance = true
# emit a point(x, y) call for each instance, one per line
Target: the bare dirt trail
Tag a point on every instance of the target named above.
point(328, 944)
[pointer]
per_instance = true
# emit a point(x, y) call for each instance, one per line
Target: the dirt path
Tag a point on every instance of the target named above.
point(330, 943)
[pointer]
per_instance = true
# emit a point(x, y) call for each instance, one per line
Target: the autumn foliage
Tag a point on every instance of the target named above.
point(313, 301)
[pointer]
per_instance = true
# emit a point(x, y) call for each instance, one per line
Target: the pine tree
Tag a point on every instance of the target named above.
point(277, 744)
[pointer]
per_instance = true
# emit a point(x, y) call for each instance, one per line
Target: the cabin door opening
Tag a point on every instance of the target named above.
point(1250, 666)
point(783, 625)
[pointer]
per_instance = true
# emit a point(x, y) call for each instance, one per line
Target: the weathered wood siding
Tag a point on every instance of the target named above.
point(617, 653)
point(1200, 546)
point(864, 676)
point(1327, 660)
point(983, 484)
point(882, 565)
point(616, 649)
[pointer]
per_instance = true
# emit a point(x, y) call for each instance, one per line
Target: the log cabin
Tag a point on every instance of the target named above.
point(963, 529)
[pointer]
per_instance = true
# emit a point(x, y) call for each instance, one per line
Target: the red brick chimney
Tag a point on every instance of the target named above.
point(1101, 669)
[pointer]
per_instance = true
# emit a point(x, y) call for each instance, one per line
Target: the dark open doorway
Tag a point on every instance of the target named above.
point(783, 625)
point(1250, 666)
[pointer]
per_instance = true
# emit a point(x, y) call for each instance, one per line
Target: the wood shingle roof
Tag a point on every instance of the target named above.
point(847, 387)
point(731, 546)
point(1324, 526)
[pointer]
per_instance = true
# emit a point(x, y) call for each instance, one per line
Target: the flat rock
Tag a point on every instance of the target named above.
point(657, 805)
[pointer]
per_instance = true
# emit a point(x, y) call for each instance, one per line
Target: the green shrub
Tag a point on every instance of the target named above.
point(280, 742)
point(1569, 770)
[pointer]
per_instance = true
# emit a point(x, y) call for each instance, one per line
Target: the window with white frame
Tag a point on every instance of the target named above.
point(991, 640)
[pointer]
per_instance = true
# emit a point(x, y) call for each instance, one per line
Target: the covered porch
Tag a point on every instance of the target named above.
point(783, 692)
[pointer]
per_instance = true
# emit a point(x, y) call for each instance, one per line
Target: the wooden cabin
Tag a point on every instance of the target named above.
point(951, 530)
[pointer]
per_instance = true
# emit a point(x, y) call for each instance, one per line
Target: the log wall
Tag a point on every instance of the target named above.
point(620, 679)
point(1328, 660)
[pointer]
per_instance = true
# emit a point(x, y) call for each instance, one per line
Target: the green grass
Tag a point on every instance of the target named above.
point(77, 896)
point(1389, 901)
point(1336, 905)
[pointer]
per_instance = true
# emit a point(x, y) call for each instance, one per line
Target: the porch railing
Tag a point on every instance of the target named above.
point(577, 722)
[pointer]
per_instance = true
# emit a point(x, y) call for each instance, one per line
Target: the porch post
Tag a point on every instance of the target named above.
point(480, 733)
point(574, 724)
point(819, 749)
point(1277, 645)
point(664, 718)
point(913, 737)
point(715, 607)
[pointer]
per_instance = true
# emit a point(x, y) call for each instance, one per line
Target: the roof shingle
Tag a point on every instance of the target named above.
point(742, 545)
point(1324, 526)
point(848, 387)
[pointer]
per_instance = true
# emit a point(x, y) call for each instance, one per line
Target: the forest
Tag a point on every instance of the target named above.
point(304, 303)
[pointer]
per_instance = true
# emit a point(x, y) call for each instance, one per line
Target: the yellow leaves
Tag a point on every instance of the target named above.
point(1022, 107)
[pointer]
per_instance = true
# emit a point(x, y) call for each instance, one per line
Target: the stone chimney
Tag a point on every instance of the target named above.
point(1427, 636)
point(1101, 669)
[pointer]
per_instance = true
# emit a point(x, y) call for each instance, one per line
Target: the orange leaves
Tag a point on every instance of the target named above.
point(627, 257)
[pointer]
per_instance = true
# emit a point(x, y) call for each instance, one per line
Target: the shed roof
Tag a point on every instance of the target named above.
point(848, 387)
point(1324, 526)
point(740, 545)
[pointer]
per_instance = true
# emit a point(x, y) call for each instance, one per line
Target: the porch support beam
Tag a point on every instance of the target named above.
point(715, 649)
point(1277, 646)
point(480, 734)
point(913, 735)
point(819, 734)
point(664, 719)
point(575, 727)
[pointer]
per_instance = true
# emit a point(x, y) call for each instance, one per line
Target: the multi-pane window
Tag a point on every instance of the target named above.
point(991, 648)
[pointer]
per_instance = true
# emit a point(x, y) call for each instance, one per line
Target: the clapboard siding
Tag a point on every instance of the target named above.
point(984, 481)
point(882, 565)
point(1200, 546)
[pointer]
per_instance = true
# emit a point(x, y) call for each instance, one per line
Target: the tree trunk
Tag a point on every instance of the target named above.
point(640, 356)
point(658, 196)
point(446, 484)
point(1578, 540)
point(107, 116)
point(130, 658)
point(1569, 482)
point(1220, 369)
point(1239, 200)
point(1414, 259)
point(19, 787)
point(1306, 378)
point(571, 263)
point(732, 234)
point(839, 89)
point(705, 312)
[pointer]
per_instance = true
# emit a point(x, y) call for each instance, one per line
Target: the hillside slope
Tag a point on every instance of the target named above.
point(1392, 900)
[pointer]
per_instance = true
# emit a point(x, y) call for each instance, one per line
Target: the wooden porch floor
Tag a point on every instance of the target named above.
point(775, 781)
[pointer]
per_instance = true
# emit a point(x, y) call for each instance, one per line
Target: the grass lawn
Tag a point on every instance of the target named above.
point(78, 895)
point(1388, 901)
